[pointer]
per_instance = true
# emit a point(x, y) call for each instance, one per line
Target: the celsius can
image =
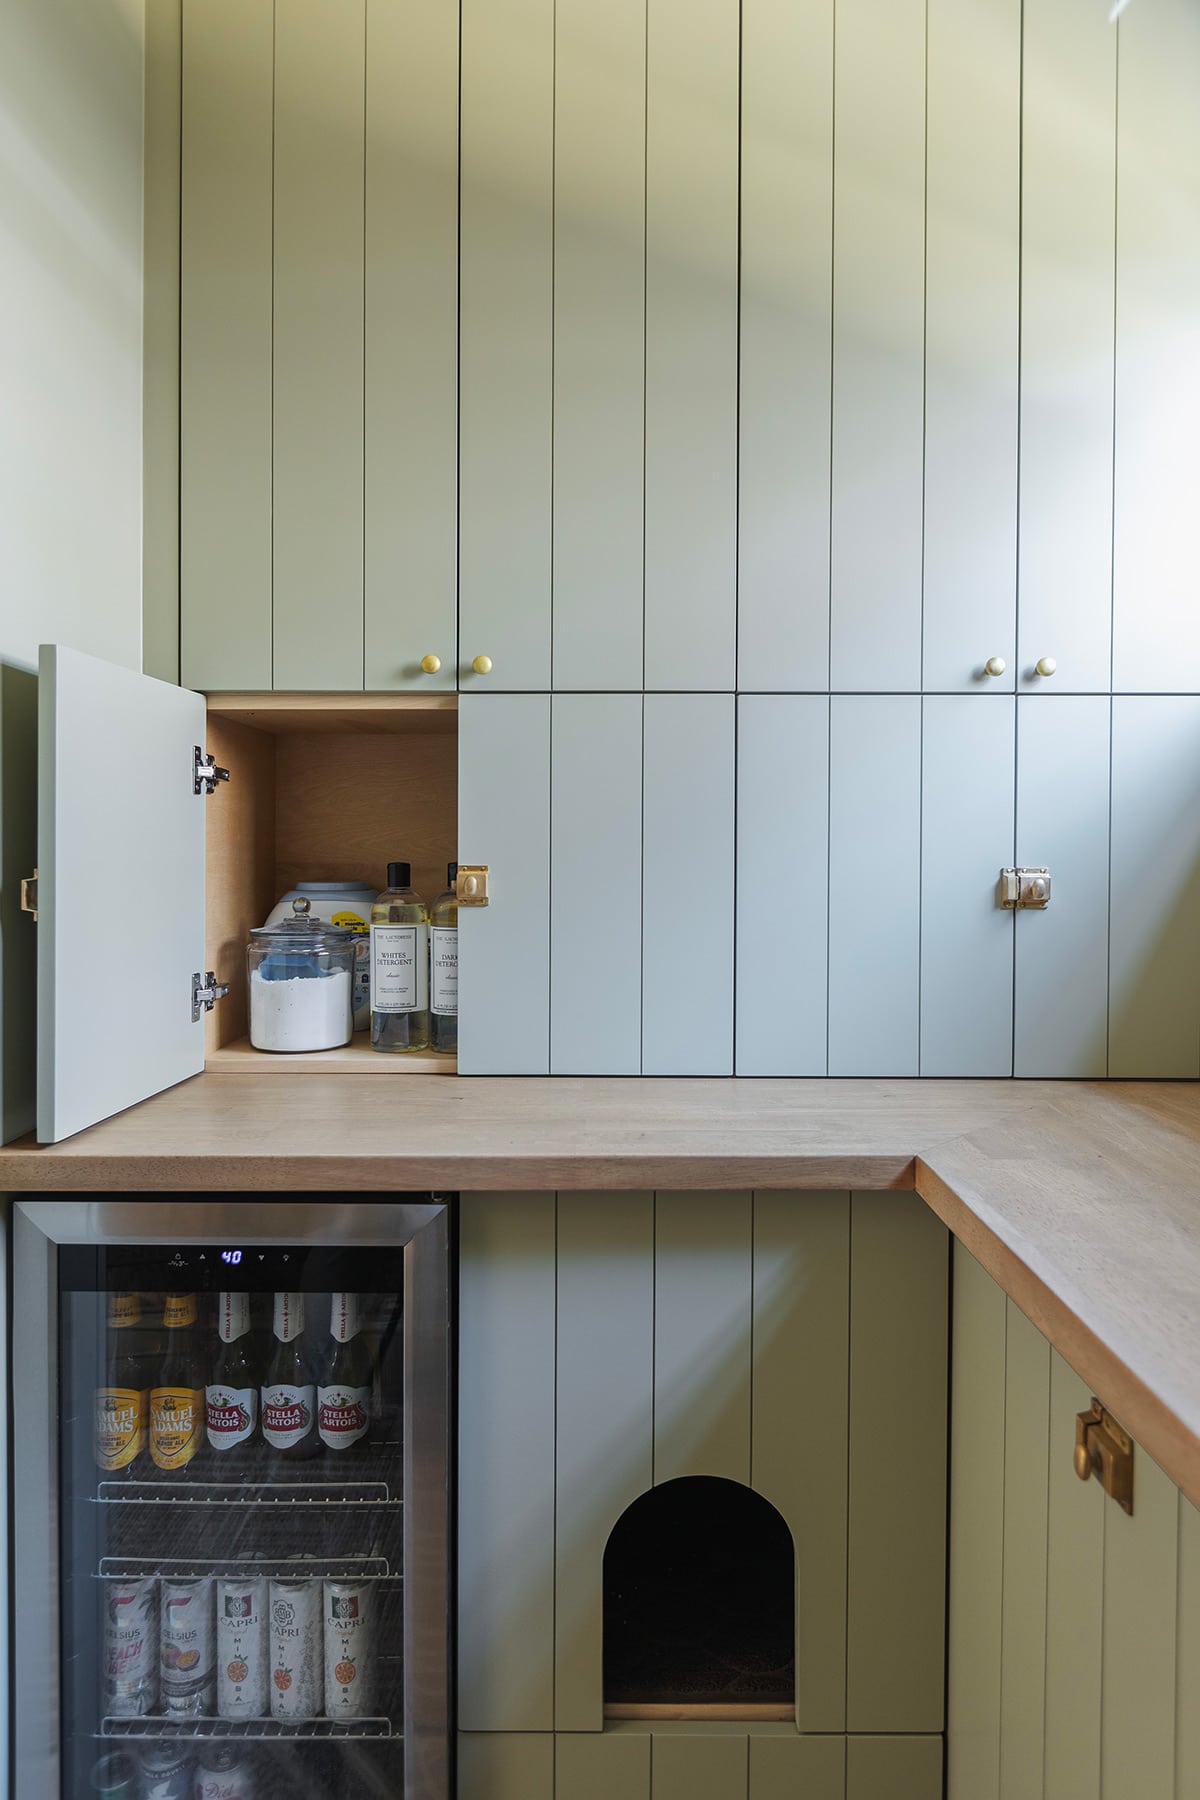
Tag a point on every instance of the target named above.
point(130, 1646)
point(348, 1667)
point(242, 1648)
point(115, 1778)
point(295, 1649)
point(186, 1636)
point(166, 1773)
point(223, 1772)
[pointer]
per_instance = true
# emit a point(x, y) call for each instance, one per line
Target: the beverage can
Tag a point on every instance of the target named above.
point(187, 1648)
point(166, 1773)
point(224, 1772)
point(131, 1646)
point(242, 1648)
point(115, 1777)
point(295, 1649)
point(347, 1633)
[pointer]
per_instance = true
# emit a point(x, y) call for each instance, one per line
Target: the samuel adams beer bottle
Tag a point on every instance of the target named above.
point(289, 1393)
point(177, 1397)
point(231, 1397)
point(121, 1403)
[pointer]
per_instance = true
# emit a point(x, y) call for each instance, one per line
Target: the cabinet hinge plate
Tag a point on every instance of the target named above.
point(29, 894)
point(471, 884)
point(206, 773)
point(1105, 1449)
point(1024, 887)
point(206, 991)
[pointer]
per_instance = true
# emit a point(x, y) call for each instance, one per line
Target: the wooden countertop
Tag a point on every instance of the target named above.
point(1081, 1198)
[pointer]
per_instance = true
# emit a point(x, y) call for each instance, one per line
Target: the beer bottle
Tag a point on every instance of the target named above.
point(121, 1401)
point(231, 1397)
point(177, 1397)
point(344, 1378)
point(289, 1393)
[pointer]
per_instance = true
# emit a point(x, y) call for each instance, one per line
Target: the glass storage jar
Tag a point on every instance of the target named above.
point(301, 977)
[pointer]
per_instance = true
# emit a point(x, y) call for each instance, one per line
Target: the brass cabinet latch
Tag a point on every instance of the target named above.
point(1104, 1450)
point(29, 884)
point(471, 884)
point(1024, 887)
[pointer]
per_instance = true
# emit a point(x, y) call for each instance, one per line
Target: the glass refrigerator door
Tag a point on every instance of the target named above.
point(249, 1534)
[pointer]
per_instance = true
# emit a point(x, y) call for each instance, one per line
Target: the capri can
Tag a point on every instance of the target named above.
point(223, 1772)
point(131, 1647)
point(115, 1778)
point(188, 1660)
point(348, 1666)
point(295, 1649)
point(242, 1648)
point(166, 1773)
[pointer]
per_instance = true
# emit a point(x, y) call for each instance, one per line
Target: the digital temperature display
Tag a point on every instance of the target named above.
point(231, 1256)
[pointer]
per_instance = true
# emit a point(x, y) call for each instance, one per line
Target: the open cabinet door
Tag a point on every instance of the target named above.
point(120, 889)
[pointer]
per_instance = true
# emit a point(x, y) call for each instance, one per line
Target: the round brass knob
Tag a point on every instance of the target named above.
point(431, 664)
point(1046, 665)
point(482, 665)
point(995, 665)
point(1083, 1462)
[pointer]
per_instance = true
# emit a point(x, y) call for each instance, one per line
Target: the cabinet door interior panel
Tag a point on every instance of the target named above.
point(505, 1765)
point(595, 884)
point(785, 322)
point(895, 1602)
point(782, 884)
point(688, 836)
point(966, 837)
point(799, 1434)
point(410, 496)
point(972, 315)
point(506, 1413)
point(605, 1424)
point(506, 348)
point(1067, 252)
point(1078, 1515)
point(874, 883)
point(1137, 1698)
point(504, 822)
point(1154, 974)
point(596, 1765)
point(785, 1767)
point(317, 522)
point(225, 345)
point(691, 343)
point(878, 357)
point(1026, 1485)
point(699, 1767)
point(1156, 619)
point(893, 1768)
point(1061, 1024)
point(599, 341)
point(702, 1331)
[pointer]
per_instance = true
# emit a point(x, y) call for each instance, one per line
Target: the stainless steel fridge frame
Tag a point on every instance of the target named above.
point(422, 1227)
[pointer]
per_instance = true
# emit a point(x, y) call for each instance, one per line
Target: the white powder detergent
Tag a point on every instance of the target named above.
point(304, 1012)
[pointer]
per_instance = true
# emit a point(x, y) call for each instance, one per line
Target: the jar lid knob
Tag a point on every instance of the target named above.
point(301, 906)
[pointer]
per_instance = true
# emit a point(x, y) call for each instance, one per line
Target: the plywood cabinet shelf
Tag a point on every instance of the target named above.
point(356, 1057)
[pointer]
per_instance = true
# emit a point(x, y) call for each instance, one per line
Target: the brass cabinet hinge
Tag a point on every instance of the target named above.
point(1105, 1450)
point(471, 884)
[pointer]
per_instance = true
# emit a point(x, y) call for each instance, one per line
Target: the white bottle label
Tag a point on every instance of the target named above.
point(443, 967)
point(287, 1414)
point(399, 968)
point(229, 1414)
point(342, 1415)
point(233, 1316)
point(288, 1317)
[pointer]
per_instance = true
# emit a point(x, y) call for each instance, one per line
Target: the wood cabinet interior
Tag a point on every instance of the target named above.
point(323, 787)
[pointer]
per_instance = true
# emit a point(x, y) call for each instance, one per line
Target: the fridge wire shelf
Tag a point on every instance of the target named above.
point(295, 1568)
point(150, 1728)
point(299, 1494)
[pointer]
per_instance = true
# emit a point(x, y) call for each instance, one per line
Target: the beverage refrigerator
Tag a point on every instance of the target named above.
point(231, 1499)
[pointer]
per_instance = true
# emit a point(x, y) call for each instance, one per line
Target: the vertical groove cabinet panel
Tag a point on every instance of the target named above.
point(1067, 254)
point(601, 1765)
point(595, 884)
point(225, 345)
point(896, 1593)
point(505, 1765)
point(605, 1432)
point(967, 778)
point(797, 1768)
point(410, 497)
point(506, 340)
point(699, 1767)
point(599, 342)
point(878, 345)
point(161, 190)
point(785, 323)
point(691, 343)
point(506, 1417)
point(874, 884)
point(1026, 1480)
point(798, 1425)
point(317, 523)
point(782, 884)
point(894, 1768)
point(1187, 1672)
point(504, 821)
point(1137, 1712)
point(688, 850)
point(1074, 1601)
point(1156, 621)
point(972, 316)
point(1154, 976)
point(1061, 987)
point(978, 1334)
point(702, 1331)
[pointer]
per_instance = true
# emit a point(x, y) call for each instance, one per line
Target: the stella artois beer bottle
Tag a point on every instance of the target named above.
point(122, 1400)
point(231, 1397)
point(177, 1397)
point(289, 1393)
point(344, 1378)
